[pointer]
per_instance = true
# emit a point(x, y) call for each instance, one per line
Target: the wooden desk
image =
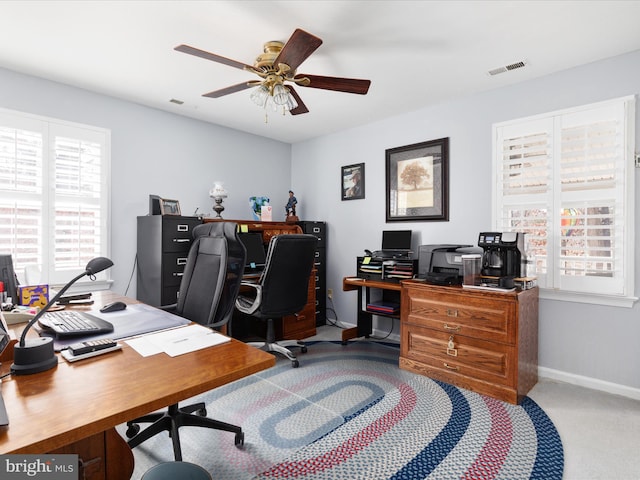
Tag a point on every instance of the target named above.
point(363, 286)
point(480, 340)
point(72, 407)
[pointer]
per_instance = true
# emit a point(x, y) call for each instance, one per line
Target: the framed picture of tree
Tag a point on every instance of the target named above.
point(418, 181)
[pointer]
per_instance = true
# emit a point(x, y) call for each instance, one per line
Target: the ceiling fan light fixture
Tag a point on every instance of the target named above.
point(280, 94)
point(259, 95)
point(291, 103)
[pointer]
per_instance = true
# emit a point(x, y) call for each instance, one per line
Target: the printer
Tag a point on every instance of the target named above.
point(441, 264)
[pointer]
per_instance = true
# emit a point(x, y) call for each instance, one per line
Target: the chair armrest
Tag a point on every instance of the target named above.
point(168, 308)
point(247, 304)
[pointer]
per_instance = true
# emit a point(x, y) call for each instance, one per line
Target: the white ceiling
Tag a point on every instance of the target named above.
point(415, 53)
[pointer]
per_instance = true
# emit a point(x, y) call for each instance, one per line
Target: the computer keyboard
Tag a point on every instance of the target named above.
point(66, 323)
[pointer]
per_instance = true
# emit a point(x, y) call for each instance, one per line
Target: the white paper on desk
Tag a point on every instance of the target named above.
point(178, 341)
point(143, 347)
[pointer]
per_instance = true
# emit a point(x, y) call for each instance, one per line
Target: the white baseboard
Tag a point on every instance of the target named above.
point(393, 337)
point(589, 382)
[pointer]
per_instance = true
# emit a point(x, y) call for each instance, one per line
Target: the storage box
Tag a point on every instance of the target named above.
point(33, 295)
point(266, 213)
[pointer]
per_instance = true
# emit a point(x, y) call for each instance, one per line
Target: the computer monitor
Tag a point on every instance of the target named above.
point(396, 240)
point(256, 254)
point(8, 277)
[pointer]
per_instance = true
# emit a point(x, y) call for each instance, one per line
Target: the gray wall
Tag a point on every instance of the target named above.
point(587, 344)
point(155, 152)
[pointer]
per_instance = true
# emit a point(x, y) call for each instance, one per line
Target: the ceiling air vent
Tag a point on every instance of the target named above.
point(506, 68)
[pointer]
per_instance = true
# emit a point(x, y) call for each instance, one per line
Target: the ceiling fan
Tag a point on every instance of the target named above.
point(276, 66)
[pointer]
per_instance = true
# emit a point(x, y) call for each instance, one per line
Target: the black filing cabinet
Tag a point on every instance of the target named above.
point(319, 229)
point(163, 246)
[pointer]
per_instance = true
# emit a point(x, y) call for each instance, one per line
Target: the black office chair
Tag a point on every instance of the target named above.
point(282, 288)
point(208, 290)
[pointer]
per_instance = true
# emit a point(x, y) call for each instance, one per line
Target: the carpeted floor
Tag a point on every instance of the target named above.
point(349, 412)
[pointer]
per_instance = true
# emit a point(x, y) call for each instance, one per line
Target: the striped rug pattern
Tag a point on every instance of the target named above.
point(349, 412)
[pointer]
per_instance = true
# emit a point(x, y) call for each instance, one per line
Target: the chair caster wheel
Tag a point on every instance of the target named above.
point(295, 363)
point(133, 430)
point(202, 412)
point(303, 349)
point(239, 440)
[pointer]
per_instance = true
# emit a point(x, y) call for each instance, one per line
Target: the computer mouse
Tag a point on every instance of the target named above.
point(113, 307)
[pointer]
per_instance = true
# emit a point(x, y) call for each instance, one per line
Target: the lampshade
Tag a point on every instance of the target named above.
point(218, 191)
point(259, 95)
point(280, 94)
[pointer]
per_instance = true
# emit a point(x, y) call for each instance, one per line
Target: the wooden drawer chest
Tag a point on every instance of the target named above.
point(480, 340)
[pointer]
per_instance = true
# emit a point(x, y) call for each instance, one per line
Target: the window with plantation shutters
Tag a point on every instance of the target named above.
point(53, 195)
point(566, 180)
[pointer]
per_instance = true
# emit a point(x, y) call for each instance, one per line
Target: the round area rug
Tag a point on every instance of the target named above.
point(421, 428)
point(348, 412)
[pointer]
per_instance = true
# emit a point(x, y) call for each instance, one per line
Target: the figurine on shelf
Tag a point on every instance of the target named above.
point(290, 208)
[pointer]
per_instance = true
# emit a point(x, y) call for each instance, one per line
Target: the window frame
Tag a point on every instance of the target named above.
point(626, 190)
point(49, 128)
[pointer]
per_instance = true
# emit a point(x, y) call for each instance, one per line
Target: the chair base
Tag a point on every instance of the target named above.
point(280, 348)
point(174, 418)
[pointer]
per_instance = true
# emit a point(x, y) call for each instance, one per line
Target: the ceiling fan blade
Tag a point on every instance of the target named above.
point(212, 56)
point(298, 48)
point(232, 89)
point(301, 108)
point(347, 85)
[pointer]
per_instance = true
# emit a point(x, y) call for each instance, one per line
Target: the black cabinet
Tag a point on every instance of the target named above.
point(319, 229)
point(163, 246)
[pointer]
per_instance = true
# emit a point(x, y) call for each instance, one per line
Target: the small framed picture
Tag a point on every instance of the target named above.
point(169, 207)
point(353, 182)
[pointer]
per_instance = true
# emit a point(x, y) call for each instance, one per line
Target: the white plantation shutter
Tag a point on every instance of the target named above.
point(524, 172)
point(21, 186)
point(53, 195)
point(565, 179)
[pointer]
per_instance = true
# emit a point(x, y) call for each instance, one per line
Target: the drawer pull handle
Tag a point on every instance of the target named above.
point(183, 228)
point(181, 261)
point(176, 274)
point(181, 240)
point(451, 312)
point(451, 328)
point(451, 367)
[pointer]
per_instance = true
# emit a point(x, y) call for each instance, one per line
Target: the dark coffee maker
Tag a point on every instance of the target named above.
point(503, 253)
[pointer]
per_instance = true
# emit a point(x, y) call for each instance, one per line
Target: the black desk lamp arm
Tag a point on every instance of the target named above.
point(47, 306)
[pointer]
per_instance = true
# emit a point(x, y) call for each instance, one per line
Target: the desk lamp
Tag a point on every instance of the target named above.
point(218, 193)
point(37, 354)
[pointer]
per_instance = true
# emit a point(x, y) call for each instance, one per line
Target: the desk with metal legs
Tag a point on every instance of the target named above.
point(75, 407)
